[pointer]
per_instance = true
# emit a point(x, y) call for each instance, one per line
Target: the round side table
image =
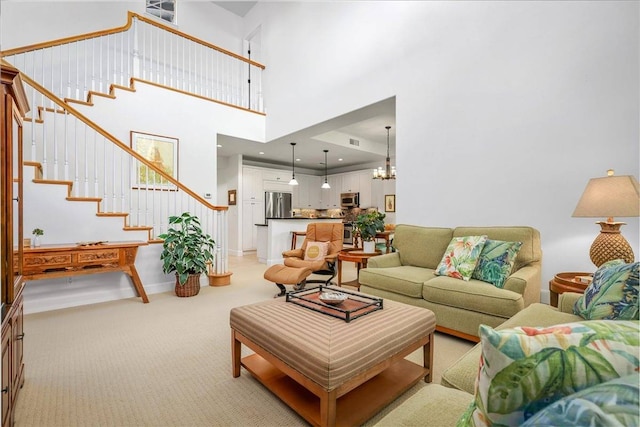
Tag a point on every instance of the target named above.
point(357, 256)
point(566, 282)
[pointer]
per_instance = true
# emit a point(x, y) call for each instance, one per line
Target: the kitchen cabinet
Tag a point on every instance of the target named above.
point(365, 180)
point(252, 214)
point(276, 175)
point(252, 184)
point(350, 182)
point(331, 197)
point(307, 194)
point(276, 180)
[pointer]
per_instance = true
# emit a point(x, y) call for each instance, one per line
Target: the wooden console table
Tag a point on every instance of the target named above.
point(63, 260)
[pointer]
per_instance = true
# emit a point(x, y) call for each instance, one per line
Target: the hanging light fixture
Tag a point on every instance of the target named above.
point(326, 184)
point(389, 172)
point(293, 165)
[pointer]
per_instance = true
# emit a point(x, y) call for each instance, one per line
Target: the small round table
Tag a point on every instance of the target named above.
point(357, 256)
point(565, 282)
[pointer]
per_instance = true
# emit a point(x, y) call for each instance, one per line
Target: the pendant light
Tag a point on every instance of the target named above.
point(389, 172)
point(293, 165)
point(326, 184)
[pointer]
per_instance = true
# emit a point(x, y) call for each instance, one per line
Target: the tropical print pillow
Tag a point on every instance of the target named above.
point(523, 370)
point(496, 261)
point(613, 293)
point(613, 403)
point(461, 257)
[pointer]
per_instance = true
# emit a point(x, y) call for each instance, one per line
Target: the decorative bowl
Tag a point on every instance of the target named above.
point(333, 298)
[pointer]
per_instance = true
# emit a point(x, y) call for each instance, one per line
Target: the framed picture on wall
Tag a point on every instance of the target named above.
point(162, 152)
point(390, 203)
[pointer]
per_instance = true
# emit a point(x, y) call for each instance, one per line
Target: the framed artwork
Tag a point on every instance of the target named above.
point(161, 151)
point(232, 197)
point(390, 203)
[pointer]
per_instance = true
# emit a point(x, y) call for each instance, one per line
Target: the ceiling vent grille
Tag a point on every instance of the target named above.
point(354, 142)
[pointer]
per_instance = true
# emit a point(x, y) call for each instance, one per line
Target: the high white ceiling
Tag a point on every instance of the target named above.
point(239, 8)
point(366, 125)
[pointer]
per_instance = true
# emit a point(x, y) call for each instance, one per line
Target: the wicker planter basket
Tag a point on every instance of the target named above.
point(190, 288)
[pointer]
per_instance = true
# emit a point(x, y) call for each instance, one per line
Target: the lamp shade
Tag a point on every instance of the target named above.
point(609, 196)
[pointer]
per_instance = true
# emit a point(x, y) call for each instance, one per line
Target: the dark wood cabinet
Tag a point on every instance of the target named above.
point(13, 108)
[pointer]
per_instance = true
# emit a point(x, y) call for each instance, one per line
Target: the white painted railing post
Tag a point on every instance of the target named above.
point(135, 60)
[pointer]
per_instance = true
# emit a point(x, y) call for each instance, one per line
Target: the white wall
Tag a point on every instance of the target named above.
point(229, 174)
point(504, 109)
point(193, 121)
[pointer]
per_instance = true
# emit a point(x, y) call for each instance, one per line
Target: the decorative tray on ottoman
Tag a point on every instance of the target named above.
point(339, 303)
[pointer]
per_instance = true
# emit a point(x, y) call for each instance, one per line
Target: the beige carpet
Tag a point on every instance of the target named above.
point(166, 363)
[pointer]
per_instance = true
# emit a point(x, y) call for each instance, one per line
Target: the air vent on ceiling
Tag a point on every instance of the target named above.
point(354, 142)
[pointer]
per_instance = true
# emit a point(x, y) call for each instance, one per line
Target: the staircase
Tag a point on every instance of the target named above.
point(65, 149)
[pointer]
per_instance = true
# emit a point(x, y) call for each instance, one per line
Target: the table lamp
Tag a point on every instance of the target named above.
point(610, 196)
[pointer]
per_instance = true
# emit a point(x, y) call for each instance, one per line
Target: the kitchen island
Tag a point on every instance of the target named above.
point(274, 237)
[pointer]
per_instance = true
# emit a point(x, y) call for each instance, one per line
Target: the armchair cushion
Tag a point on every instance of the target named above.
point(316, 251)
point(322, 242)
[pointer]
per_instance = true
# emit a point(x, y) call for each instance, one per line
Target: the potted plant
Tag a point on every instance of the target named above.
point(368, 225)
point(37, 232)
point(186, 251)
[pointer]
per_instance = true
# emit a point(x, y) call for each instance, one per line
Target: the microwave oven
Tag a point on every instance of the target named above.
point(350, 200)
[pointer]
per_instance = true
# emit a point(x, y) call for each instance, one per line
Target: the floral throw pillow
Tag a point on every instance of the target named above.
point(613, 403)
point(496, 261)
point(523, 370)
point(461, 257)
point(316, 251)
point(613, 293)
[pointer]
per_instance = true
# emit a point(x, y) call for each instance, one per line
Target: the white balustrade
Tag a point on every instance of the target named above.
point(83, 153)
point(148, 52)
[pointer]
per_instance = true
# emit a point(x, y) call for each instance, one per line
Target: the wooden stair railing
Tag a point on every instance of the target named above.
point(74, 68)
point(213, 218)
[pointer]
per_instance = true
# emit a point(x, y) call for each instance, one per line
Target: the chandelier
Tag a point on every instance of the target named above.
point(389, 172)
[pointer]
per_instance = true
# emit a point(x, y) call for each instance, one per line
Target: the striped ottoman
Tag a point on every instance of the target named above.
point(329, 371)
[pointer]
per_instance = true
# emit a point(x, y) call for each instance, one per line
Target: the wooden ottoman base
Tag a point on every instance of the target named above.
point(282, 275)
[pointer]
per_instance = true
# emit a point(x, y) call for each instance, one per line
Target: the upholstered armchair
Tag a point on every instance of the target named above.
point(319, 251)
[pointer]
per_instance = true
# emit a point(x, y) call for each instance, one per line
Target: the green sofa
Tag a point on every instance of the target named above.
point(444, 404)
point(460, 306)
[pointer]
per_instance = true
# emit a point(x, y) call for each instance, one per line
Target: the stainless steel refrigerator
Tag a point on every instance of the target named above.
point(277, 205)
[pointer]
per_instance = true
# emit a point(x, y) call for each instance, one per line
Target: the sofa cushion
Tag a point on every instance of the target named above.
point(405, 280)
point(474, 295)
point(612, 403)
point(421, 246)
point(524, 369)
point(424, 408)
point(530, 251)
point(461, 257)
point(613, 293)
point(496, 261)
point(463, 373)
